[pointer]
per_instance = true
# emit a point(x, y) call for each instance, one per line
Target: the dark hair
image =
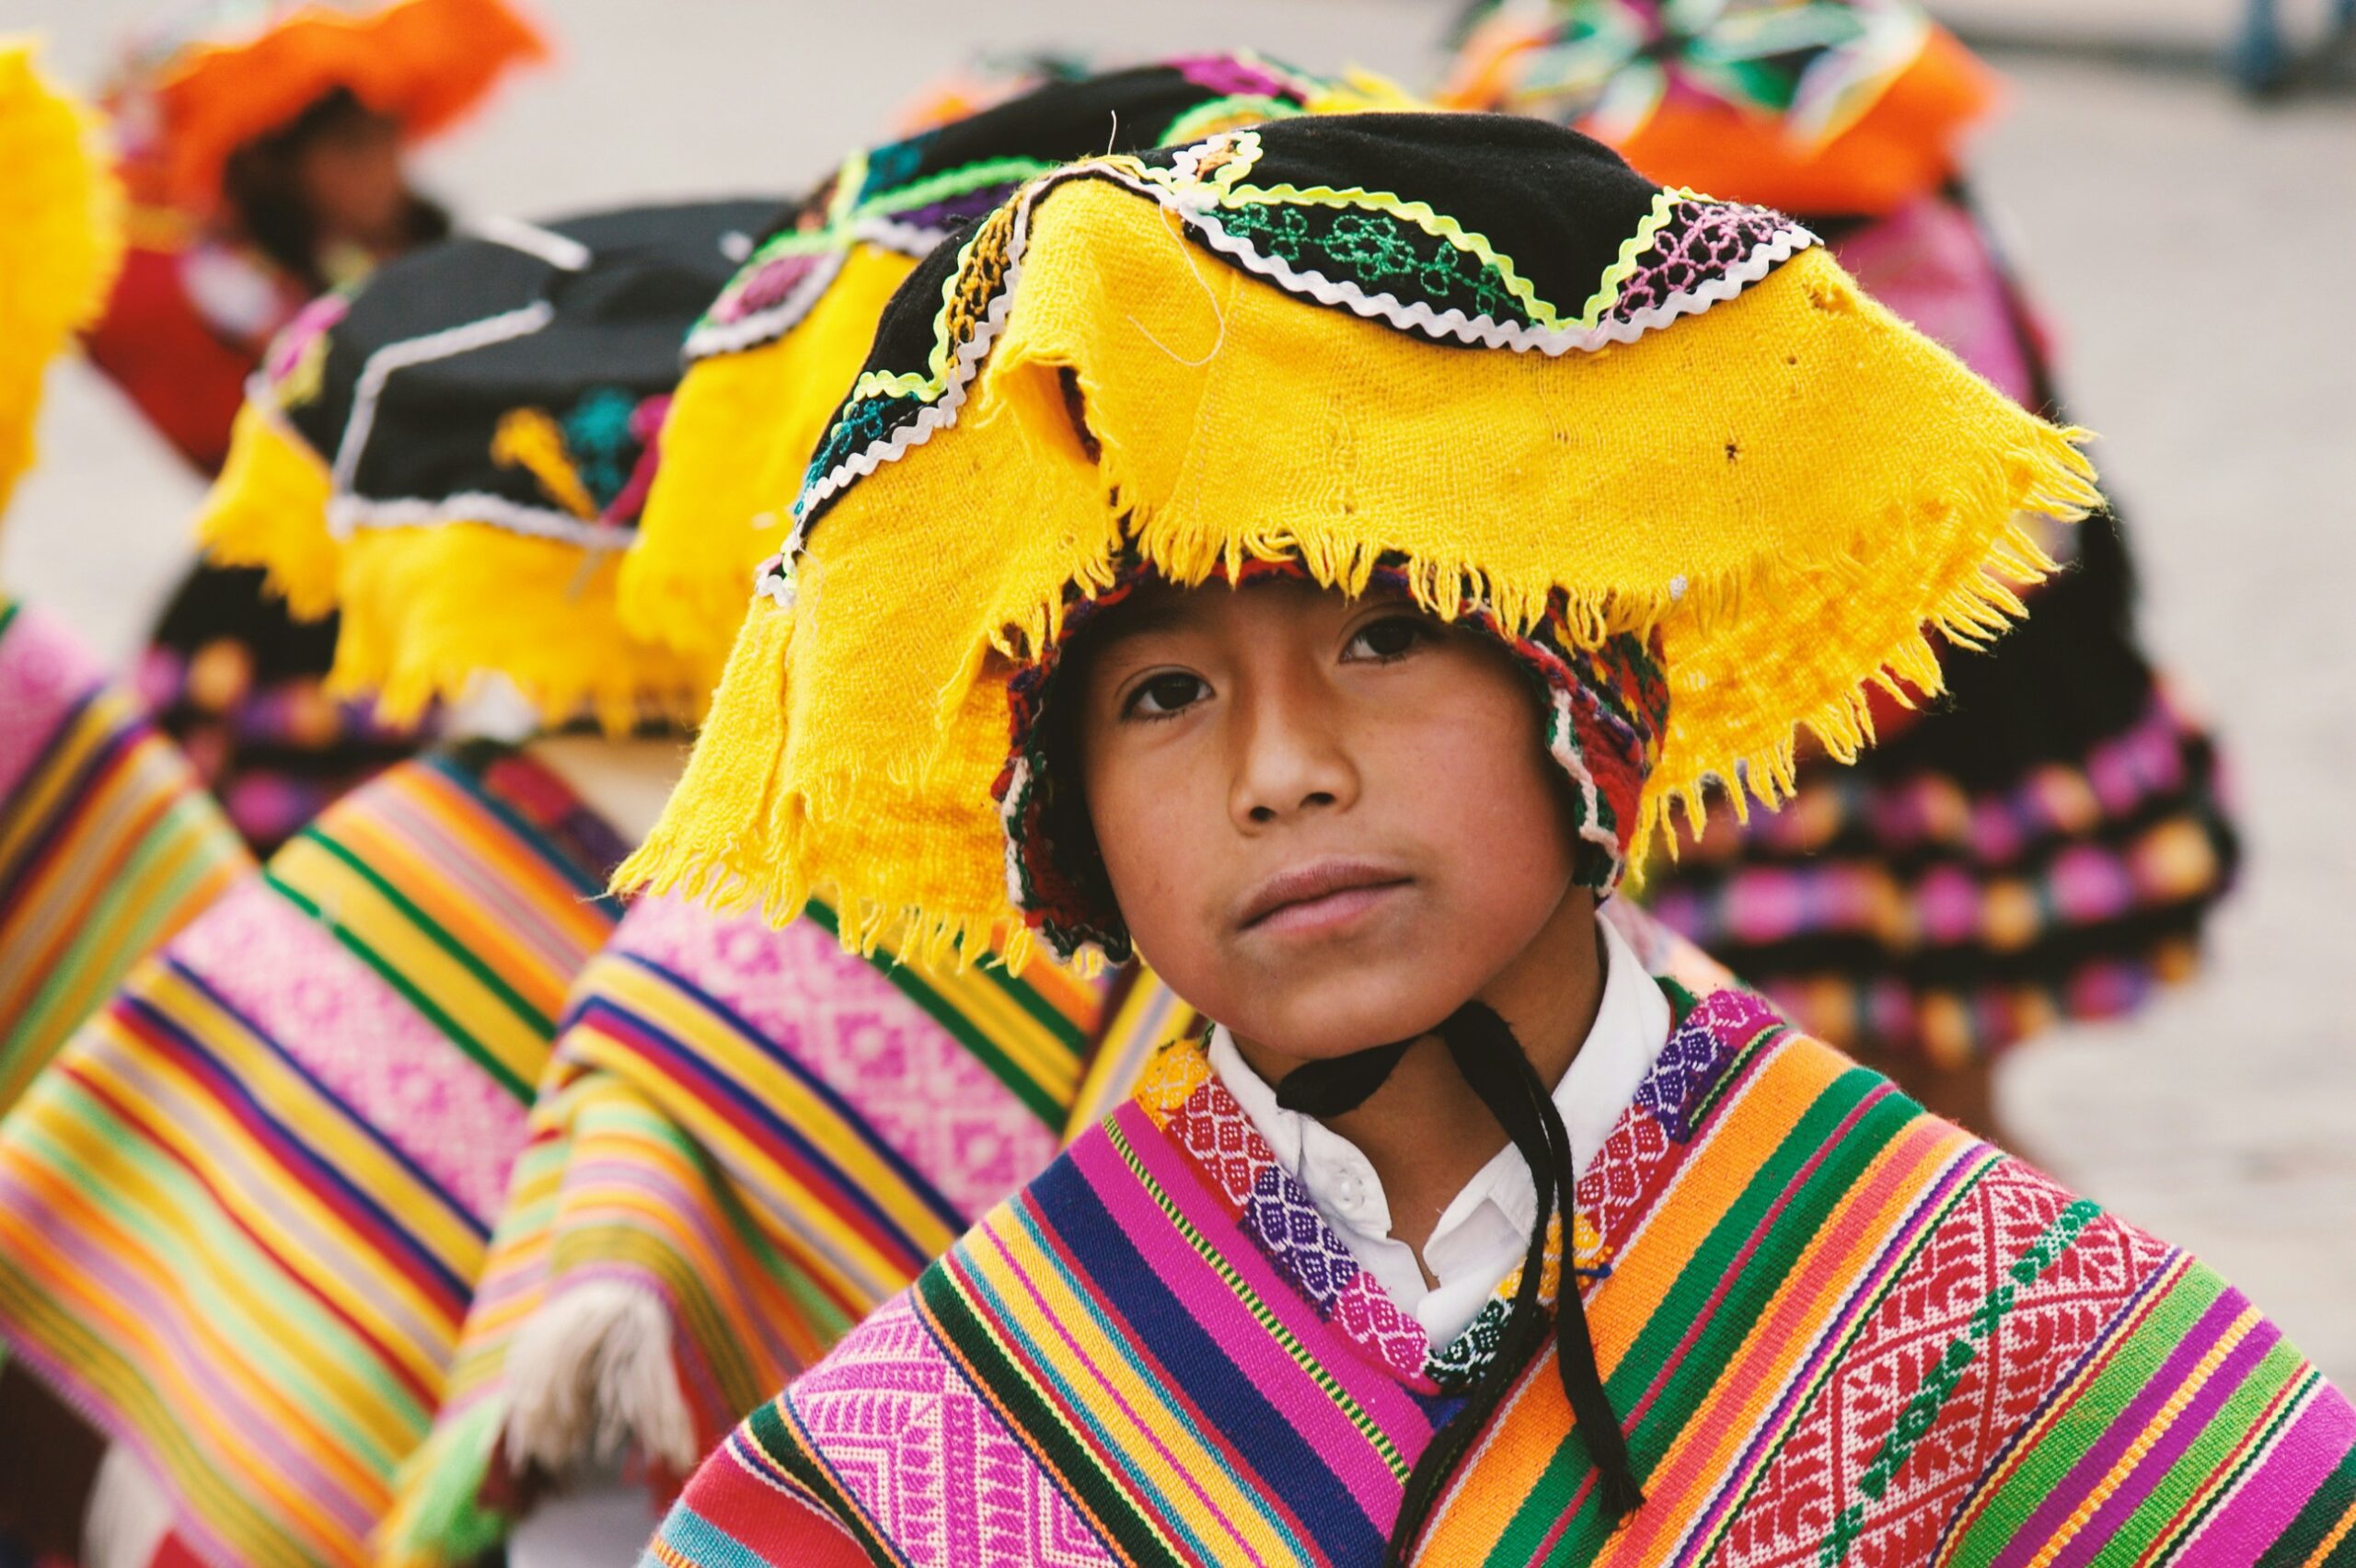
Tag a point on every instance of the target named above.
point(1065, 821)
point(262, 189)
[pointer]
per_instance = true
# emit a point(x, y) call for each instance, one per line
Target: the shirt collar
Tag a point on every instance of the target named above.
point(1491, 1217)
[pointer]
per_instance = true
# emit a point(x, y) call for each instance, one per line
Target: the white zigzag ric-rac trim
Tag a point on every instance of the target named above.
point(766, 326)
point(773, 581)
point(347, 513)
point(1018, 782)
point(1565, 749)
point(941, 414)
point(1200, 213)
point(909, 239)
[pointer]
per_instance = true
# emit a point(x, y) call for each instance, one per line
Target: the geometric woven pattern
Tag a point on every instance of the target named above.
point(929, 1460)
point(766, 1135)
point(243, 1212)
point(1817, 1475)
point(1841, 1332)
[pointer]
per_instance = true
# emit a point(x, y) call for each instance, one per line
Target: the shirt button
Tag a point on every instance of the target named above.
point(1349, 1194)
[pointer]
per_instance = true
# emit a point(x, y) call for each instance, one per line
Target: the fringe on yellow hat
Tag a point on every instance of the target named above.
point(427, 611)
point(268, 508)
point(1657, 414)
point(61, 238)
point(460, 534)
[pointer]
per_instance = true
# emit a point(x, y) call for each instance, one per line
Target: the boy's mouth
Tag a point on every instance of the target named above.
point(1319, 896)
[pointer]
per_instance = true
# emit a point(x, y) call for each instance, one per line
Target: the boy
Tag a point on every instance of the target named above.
point(1536, 497)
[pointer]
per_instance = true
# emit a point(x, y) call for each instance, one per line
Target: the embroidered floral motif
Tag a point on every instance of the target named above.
point(1379, 254)
point(1700, 244)
point(764, 284)
point(598, 431)
point(588, 461)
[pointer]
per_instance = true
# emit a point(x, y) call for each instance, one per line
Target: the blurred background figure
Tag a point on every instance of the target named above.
point(243, 1210)
point(261, 145)
point(264, 145)
point(2046, 842)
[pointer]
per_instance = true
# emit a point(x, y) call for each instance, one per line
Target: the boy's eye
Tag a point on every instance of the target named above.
point(1160, 697)
point(1393, 637)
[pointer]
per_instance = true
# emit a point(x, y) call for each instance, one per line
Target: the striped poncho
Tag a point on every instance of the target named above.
point(746, 1140)
point(108, 843)
point(242, 1212)
point(1839, 1331)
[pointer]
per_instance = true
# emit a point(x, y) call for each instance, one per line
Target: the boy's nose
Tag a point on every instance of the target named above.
point(1290, 759)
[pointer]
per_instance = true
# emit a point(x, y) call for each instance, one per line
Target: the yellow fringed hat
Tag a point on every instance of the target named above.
point(770, 361)
point(454, 456)
point(60, 236)
point(1661, 439)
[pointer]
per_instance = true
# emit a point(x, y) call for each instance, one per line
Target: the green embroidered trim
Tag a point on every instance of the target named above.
point(1200, 120)
point(957, 182)
point(1374, 251)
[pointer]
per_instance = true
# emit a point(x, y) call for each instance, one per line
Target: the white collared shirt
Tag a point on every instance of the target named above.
point(1485, 1231)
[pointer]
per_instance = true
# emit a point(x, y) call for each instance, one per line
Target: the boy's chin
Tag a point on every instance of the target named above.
point(1321, 1020)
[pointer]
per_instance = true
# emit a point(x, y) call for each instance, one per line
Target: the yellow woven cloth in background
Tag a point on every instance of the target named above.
point(61, 240)
point(734, 446)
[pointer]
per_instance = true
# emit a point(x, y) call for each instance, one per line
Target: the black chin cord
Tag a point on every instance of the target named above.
point(1493, 1062)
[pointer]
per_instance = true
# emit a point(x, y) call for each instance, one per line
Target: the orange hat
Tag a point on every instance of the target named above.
point(1811, 105)
point(218, 76)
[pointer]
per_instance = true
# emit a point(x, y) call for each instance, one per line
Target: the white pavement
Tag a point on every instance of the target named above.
point(2196, 252)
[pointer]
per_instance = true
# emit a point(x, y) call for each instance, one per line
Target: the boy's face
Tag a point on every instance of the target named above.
point(1328, 822)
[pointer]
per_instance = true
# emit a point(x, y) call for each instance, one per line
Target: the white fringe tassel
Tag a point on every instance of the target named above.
point(128, 1515)
point(591, 1375)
